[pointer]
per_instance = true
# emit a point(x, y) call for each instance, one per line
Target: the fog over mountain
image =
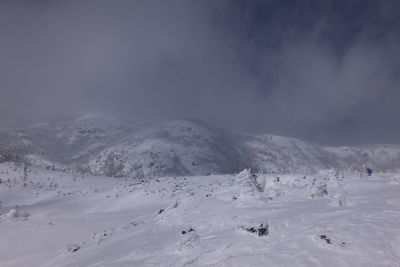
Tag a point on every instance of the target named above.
point(323, 71)
point(102, 145)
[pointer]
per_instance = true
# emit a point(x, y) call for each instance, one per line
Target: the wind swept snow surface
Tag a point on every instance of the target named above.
point(50, 218)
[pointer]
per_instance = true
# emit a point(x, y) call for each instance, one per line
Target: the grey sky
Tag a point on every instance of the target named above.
point(326, 71)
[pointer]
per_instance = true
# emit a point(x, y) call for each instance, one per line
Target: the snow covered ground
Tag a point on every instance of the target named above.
point(50, 219)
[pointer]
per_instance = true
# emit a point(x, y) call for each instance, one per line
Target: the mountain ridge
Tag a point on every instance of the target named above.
point(103, 145)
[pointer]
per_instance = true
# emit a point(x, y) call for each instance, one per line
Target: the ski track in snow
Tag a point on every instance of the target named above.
point(59, 219)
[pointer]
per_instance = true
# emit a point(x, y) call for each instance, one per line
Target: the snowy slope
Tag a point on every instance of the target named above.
point(52, 218)
point(181, 147)
point(102, 145)
point(276, 154)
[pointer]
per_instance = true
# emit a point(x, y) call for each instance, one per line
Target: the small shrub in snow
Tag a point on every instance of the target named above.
point(73, 248)
point(329, 241)
point(188, 231)
point(261, 230)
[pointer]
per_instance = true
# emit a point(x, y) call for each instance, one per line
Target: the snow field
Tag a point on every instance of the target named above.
point(51, 218)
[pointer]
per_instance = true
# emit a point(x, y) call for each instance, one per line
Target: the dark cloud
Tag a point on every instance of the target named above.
point(326, 71)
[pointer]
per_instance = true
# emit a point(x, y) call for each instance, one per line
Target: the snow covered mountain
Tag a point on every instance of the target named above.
point(103, 145)
point(293, 214)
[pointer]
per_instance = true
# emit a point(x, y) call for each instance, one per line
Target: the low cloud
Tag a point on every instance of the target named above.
point(326, 72)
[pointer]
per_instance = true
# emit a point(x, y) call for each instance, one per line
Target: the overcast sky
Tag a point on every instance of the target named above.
point(325, 71)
